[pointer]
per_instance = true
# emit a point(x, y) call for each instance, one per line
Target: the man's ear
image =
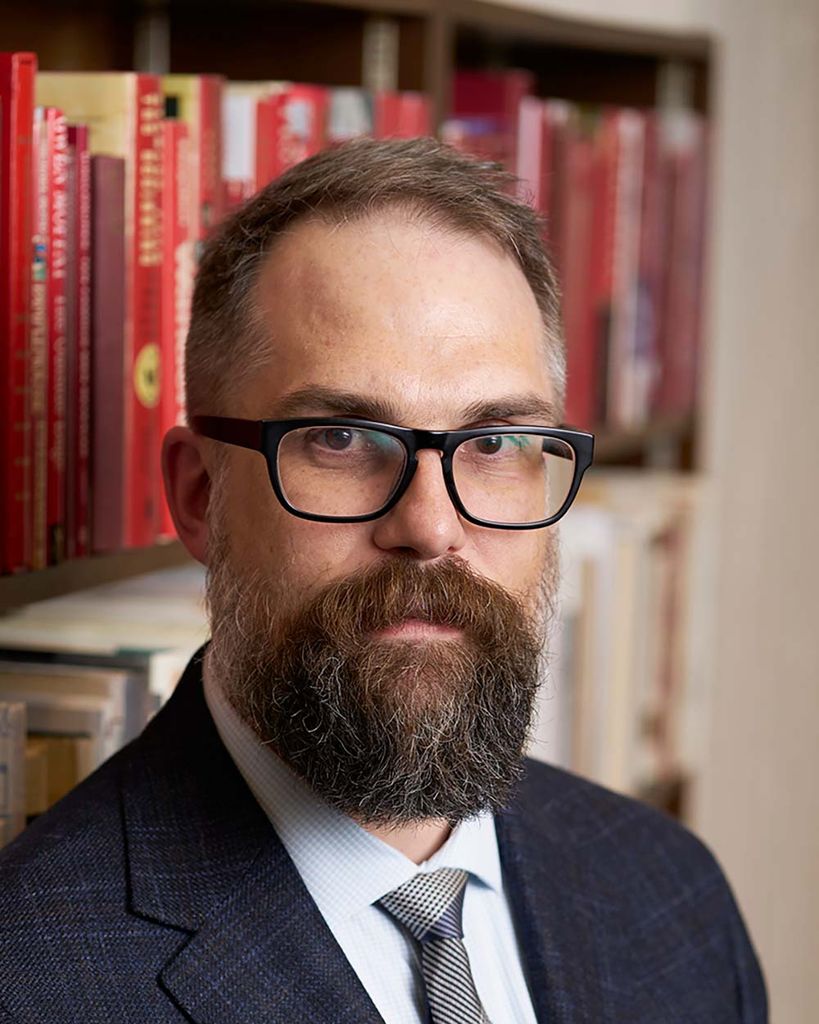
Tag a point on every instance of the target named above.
point(187, 488)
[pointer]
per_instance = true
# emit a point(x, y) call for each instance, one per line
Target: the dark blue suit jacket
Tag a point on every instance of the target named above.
point(157, 891)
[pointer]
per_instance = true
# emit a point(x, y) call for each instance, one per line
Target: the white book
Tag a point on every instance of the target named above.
point(153, 624)
point(73, 701)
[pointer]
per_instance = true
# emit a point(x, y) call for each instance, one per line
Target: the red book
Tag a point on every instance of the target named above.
point(578, 310)
point(57, 135)
point(17, 73)
point(602, 256)
point(401, 115)
point(534, 152)
point(291, 125)
point(494, 94)
point(477, 136)
point(177, 280)
point(652, 260)
point(38, 337)
point(199, 106)
point(109, 466)
point(686, 145)
point(556, 184)
point(78, 349)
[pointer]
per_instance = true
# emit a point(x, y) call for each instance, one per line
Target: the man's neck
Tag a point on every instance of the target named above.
point(418, 842)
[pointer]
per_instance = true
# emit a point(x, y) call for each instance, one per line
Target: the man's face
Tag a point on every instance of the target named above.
point(398, 321)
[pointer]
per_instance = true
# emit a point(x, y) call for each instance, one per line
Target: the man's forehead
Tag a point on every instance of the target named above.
point(381, 309)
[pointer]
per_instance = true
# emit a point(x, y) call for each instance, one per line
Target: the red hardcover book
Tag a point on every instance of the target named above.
point(177, 280)
point(109, 466)
point(401, 115)
point(602, 256)
point(534, 152)
point(557, 115)
point(57, 134)
point(78, 348)
point(677, 386)
point(578, 310)
point(650, 290)
point(124, 111)
point(199, 106)
point(494, 94)
point(17, 73)
point(477, 136)
point(38, 338)
point(291, 125)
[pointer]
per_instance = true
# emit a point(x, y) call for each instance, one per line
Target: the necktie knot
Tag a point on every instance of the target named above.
point(430, 905)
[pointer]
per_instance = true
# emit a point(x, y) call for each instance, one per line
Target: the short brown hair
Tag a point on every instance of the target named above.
point(358, 178)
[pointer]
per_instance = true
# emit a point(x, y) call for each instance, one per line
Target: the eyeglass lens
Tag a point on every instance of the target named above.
point(349, 471)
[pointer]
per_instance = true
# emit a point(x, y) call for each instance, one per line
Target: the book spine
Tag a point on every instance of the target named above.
point(17, 73)
point(38, 341)
point(622, 365)
point(109, 451)
point(57, 326)
point(529, 155)
point(79, 348)
point(577, 306)
point(602, 261)
point(143, 316)
point(211, 190)
point(269, 127)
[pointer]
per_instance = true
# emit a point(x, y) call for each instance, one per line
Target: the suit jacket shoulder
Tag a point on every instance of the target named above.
point(645, 896)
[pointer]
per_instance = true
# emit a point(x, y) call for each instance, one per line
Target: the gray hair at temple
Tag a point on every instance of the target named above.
point(226, 342)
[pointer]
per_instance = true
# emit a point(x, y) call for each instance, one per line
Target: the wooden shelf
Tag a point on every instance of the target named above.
point(25, 588)
point(551, 29)
point(664, 444)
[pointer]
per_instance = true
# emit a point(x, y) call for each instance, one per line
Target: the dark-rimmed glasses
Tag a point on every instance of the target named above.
point(343, 469)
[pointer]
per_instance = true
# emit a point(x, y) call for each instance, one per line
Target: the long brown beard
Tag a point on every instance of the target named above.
point(388, 731)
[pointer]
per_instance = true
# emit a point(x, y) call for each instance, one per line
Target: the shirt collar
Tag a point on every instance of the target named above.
point(344, 867)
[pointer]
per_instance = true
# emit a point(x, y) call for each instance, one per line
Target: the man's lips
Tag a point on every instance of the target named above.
point(417, 628)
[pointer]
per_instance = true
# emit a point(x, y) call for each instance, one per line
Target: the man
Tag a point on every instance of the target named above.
point(331, 821)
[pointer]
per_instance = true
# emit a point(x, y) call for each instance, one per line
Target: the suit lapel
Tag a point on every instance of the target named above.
point(559, 910)
point(204, 859)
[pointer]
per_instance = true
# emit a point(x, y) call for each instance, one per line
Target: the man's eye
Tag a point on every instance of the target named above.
point(489, 445)
point(337, 438)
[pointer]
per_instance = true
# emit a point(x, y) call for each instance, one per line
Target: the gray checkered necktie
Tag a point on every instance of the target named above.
point(429, 906)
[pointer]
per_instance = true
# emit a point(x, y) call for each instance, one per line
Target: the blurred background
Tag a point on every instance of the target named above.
point(673, 149)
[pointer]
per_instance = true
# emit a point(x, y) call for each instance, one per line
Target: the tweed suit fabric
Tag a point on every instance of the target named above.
point(158, 891)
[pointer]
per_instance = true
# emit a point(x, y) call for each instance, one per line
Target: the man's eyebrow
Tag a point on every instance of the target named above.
point(318, 399)
point(529, 404)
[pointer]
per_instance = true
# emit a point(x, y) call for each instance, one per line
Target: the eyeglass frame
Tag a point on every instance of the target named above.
point(265, 436)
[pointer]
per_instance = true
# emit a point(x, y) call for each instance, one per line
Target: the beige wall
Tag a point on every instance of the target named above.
point(757, 804)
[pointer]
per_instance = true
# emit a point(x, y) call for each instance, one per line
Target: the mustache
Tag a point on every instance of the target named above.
point(448, 593)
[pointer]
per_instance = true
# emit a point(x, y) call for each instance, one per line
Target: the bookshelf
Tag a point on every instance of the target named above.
point(78, 574)
point(415, 45)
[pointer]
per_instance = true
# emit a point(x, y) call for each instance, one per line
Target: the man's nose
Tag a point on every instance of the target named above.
point(424, 523)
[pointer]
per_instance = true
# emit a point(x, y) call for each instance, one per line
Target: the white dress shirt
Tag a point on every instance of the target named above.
point(346, 870)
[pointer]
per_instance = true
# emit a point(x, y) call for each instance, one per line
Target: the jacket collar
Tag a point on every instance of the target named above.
point(204, 859)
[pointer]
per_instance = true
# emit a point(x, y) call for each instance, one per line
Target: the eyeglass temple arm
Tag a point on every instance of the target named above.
point(245, 433)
